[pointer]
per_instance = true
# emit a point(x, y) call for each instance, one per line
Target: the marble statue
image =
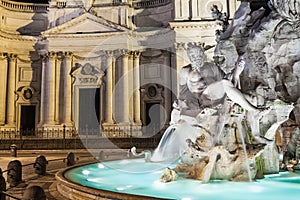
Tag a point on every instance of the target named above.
point(168, 175)
point(221, 19)
point(204, 87)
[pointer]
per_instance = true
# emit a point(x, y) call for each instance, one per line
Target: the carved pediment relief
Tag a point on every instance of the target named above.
point(86, 23)
point(87, 74)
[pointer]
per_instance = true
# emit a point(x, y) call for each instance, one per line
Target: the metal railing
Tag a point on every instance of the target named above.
point(37, 133)
point(67, 138)
point(65, 133)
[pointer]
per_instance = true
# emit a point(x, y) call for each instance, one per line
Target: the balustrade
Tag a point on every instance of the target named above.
point(32, 7)
point(150, 3)
point(25, 7)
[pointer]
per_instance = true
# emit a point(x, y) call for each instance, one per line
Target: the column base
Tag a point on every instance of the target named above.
point(9, 131)
point(181, 18)
point(196, 18)
point(68, 124)
point(137, 129)
point(11, 127)
point(138, 123)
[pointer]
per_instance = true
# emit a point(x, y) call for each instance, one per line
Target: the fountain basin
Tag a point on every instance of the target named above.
point(135, 179)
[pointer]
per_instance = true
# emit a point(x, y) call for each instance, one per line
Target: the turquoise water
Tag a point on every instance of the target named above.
point(134, 176)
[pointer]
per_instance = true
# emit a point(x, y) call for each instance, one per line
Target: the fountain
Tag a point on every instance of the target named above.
point(224, 130)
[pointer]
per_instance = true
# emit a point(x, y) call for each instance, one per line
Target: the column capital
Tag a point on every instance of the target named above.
point(131, 54)
point(11, 56)
point(60, 55)
point(137, 53)
point(68, 53)
point(124, 52)
point(44, 57)
point(51, 54)
point(3, 56)
point(109, 53)
point(180, 46)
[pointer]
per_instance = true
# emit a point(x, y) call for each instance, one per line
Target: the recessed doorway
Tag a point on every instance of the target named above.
point(89, 110)
point(27, 125)
point(153, 114)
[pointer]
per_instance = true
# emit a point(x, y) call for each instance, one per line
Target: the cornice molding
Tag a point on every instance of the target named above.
point(192, 24)
point(86, 58)
point(28, 61)
point(84, 36)
point(151, 33)
point(17, 37)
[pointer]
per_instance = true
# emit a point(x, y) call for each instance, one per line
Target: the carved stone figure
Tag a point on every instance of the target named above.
point(289, 9)
point(168, 175)
point(201, 86)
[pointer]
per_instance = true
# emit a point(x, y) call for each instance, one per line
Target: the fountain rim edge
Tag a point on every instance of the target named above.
point(76, 189)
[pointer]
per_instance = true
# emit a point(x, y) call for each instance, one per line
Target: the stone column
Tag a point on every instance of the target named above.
point(168, 86)
point(231, 7)
point(131, 85)
point(174, 73)
point(50, 96)
point(3, 79)
point(129, 15)
point(182, 10)
point(58, 88)
point(136, 87)
point(196, 10)
point(109, 88)
point(180, 57)
point(67, 89)
point(125, 84)
point(123, 15)
point(43, 104)
point(11, 89)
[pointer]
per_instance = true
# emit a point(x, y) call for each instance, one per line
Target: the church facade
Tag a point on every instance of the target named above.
point(103, 67)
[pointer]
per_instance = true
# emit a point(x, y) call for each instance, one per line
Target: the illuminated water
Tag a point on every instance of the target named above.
point(137, 177)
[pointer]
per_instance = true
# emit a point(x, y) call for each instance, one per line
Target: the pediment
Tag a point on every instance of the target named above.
point(86, 24)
